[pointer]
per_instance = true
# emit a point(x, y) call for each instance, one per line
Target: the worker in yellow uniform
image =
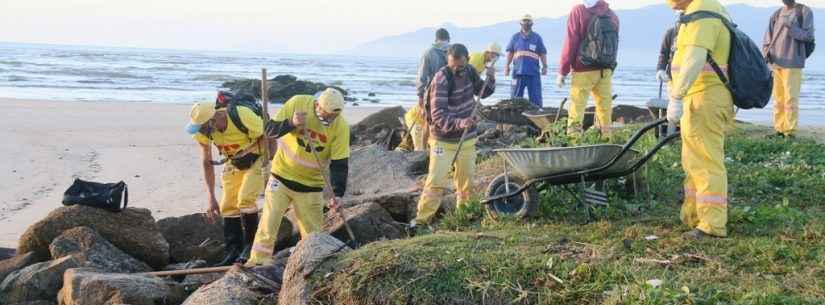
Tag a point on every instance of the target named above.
point(414, 123)
point(480, 60)
point(297, 179)
point(707, 105)
point(242, 180)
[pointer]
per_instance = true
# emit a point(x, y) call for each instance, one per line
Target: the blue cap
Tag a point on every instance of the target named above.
point(192, 128)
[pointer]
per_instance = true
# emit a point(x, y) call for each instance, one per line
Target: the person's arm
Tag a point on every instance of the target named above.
point(478, 85)
point(440, 113)
point(423, 75)
point(805, 31)
point(768, 40)
point(338, 173)
point(510, 51)
point(694, 63)
point(664, 52)
point(209, 177)
point(285, 121)
point(570, 47)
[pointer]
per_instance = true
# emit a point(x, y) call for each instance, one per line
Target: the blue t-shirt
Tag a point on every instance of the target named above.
point(526, 51)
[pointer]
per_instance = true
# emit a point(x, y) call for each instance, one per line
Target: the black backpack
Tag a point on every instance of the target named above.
point(600, 46)
point(750, 80)
point(232, 101)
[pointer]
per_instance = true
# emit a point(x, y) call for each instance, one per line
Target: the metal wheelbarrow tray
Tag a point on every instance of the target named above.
point(563, 166)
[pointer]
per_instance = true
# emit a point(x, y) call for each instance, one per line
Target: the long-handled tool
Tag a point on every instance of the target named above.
point(476, 107)
point(265, 117)
point(328, 184)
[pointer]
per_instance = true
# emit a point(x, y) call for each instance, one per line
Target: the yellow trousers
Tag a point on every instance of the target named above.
point(309, 211)
point(417, 134)
point(441, 155)
point(707, 116)
point(787, 84)
point(600, 85)
point(241, 189)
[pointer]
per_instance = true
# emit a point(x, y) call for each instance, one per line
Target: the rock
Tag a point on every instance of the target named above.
point(308, 255)
point(187, 265)
point(38, 302)
point(509, 112)
point(192, 237)
point(382, 128)
point(281, 87)
point(375, 172)
point(91, 249)
point(89, 286)
point(13, 264)
point(6, 253)
point(401, 206)
point(40, 281)
point(369, 223)
point(133, 231)
point(371, 94)
point(237, 287)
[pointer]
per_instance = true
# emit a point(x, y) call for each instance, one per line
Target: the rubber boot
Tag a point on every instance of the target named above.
point(233, 240)
point(250, 226)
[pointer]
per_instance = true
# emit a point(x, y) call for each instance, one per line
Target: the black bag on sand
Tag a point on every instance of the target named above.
point(99, 195)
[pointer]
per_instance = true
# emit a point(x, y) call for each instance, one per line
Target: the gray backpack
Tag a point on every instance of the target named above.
point(600, 46)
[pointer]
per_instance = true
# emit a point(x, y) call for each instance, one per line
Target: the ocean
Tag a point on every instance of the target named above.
point(108, 74)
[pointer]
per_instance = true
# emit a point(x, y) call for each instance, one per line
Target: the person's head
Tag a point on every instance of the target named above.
point(590, 3)
point(679, 5)
point(441, 35)
point(527, 23)
point(457, 56)
point(204, 118)
point(329, 104)
point(789, 3)
point(492, 53)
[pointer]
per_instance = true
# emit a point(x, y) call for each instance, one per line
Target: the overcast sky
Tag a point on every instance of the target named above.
point(309, 26)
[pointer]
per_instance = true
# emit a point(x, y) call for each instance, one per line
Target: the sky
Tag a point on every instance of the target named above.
point(302, 26)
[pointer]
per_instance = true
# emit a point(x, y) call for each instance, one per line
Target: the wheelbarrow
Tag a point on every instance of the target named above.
point(516, 194)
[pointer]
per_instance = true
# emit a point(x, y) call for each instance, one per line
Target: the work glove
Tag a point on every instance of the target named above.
point(662, 76)
point(674, 111)
point(560, 80)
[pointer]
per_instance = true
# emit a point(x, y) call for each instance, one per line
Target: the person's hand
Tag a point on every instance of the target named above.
point(662, 76)
point(468, 122)
point(334, 203)
point(560, 80)
point(299, 119)
point(507, 70)
point(674, 111)
point(544, 70)
point(213, 211)
point(491, 72)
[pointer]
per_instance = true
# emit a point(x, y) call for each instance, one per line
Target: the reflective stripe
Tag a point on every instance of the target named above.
point(258, 248)
point(290, 154)
point(712, 200)
point(527, 54)
point(238, 215)
point(462, 195)
point(690, 193)
point(249, 210)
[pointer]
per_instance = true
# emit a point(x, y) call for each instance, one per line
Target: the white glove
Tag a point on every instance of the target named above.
point(674, 111)
point(560, 80)
point(662, 76)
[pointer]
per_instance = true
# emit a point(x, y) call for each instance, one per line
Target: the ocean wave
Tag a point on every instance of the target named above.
point(215, 78)
point(105, 88)
point(392, 83)
point(12, 63)
point(96, 81)
point(16, 78)
point(97, 73)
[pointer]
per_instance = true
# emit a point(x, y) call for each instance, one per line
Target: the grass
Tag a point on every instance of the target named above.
point(633, 255)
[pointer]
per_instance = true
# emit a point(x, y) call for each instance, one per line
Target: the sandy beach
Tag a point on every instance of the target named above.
point(49, 144)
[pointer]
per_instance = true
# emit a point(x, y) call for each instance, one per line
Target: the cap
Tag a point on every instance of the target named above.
point(201, 113)
point(331, 100)
point(527, 17)
point(494, 48)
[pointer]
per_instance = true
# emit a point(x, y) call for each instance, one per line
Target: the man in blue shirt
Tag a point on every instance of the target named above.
point(527, 50)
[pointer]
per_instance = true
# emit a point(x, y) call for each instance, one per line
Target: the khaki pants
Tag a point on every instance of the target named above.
point(441, 155)
point(308, 209)
point(707, 117)
point(241, 189)
point(600, 85)
point(787, 83)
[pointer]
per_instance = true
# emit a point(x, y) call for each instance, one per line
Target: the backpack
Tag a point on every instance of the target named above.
point(749, 79)
point(600, 47)
point(112, 197)
point(232, 101)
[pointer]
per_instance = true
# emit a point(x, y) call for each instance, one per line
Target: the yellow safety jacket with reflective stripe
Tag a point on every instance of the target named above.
point(477, 60)
point(232, 140)
point(708, 33)
point(294, 160)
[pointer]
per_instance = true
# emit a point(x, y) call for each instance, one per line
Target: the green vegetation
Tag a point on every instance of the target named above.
point(634, 254)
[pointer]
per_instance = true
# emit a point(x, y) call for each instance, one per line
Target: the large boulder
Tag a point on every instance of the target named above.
point(375, 172)
point(281, 87)
point(38, 302)
point(85, 286)
point(13, 264)
point(382, 128)
point(369, 223)
point(40, 281)
point(192, 237)
point(132, 230)
point(237, 287)
point(402, 206)
point(308, 255)
point(91, 249)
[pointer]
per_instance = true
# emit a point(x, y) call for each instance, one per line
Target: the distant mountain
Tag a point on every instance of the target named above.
point(641, 34)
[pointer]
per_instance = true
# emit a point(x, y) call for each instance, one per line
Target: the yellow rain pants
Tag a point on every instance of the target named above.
point(309, 211)
point(441, 155)
point(241, 189)
point(707, 115)
point(786, 86)
point(600, 85)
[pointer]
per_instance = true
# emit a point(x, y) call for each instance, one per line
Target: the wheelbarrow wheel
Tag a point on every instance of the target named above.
point(522, 206)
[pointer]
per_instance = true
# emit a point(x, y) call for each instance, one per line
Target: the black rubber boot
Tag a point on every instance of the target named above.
point(250, 226)
point(233, 240)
